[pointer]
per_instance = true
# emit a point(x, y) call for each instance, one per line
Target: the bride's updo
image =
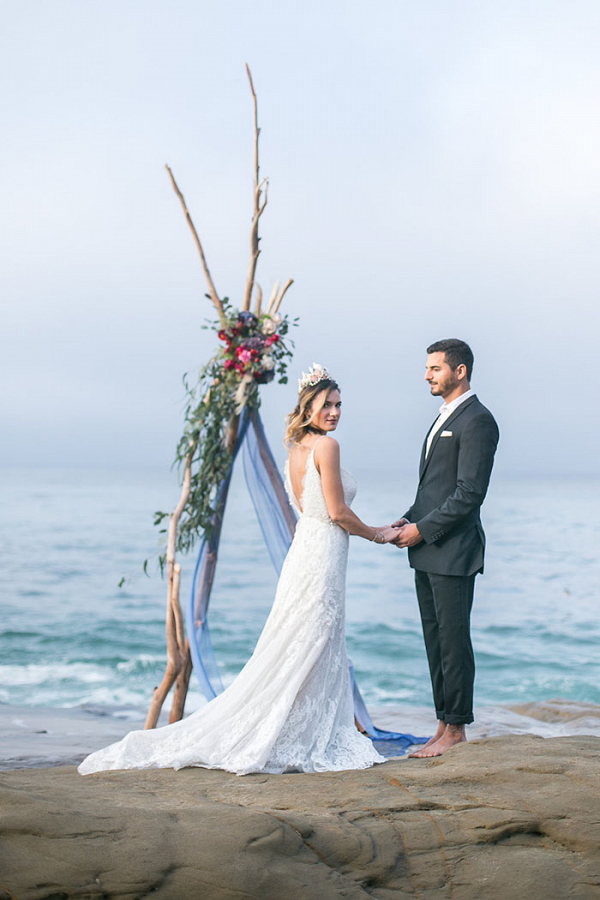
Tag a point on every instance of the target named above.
point(311, 400)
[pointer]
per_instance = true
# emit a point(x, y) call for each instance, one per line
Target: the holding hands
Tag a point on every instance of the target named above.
point(408, 534)
point(386, 534)
point(401, 533)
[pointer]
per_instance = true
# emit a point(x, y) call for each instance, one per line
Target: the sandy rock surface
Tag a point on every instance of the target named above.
point(502, 818)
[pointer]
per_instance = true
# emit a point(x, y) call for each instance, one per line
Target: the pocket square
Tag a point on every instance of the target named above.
point(446, 434)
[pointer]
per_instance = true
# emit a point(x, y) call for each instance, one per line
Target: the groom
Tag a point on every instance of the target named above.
point(444, 536)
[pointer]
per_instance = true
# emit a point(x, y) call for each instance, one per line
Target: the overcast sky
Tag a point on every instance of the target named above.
point(434, 171)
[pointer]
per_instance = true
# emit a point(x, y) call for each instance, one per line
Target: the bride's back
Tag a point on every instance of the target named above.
point(298, 457)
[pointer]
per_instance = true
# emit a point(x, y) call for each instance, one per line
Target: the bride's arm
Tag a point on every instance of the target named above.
point(327, 461)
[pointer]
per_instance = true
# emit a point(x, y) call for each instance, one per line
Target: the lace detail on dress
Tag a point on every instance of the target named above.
point(291, 706)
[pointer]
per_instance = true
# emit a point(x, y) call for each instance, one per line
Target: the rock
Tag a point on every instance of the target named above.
point(502, 818)
point(559, 710)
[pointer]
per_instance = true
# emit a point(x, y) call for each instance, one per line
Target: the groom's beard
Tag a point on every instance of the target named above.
point(443, 386)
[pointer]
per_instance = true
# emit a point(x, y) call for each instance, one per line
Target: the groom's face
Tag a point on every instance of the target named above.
point(439, 376)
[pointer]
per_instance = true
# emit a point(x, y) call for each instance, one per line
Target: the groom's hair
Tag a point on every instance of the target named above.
point(457, 354)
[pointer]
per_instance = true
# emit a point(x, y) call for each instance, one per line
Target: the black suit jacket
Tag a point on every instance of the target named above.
point(453, 481)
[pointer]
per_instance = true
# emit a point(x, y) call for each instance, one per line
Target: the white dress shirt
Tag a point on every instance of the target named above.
point(446, 410)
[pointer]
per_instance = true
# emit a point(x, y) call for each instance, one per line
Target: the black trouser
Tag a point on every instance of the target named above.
point(445, 603)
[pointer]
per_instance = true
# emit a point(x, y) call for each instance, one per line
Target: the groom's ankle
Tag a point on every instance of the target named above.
point(455, 730)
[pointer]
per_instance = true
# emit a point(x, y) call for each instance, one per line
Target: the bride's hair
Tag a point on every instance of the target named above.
point(299, 422)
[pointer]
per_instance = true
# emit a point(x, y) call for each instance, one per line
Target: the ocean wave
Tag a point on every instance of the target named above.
point(71, 636)
point(51, 673)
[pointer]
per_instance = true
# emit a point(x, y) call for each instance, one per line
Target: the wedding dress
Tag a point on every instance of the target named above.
point(291, 707)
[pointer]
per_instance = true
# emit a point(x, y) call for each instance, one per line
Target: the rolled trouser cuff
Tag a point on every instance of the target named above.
point(459, 720)
point(440, 715)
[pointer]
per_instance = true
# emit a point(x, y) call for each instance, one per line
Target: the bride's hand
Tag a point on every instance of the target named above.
point(389, 534)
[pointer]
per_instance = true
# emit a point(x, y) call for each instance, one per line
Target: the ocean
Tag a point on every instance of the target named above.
point(72, 639)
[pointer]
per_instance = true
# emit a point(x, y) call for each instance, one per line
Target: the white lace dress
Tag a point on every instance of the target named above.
point(290, 708)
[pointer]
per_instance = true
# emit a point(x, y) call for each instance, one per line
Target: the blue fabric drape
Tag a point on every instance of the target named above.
point(277, 522)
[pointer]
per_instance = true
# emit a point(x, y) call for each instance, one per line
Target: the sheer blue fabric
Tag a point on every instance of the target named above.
point(277, 522)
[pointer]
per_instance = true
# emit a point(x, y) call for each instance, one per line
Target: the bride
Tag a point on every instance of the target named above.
point(291, 707)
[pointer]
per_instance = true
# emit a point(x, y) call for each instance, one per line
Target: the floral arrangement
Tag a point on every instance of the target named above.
point(254, 346)
point(254, 349)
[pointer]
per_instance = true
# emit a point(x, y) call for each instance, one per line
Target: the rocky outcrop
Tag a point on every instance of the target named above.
point(502, 818)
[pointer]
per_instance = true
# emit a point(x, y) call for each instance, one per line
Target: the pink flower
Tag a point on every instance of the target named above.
point(244, 356)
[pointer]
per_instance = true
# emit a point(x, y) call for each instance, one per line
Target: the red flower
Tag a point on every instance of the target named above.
point(229, 364)
point(272, 339)
point(222, 335)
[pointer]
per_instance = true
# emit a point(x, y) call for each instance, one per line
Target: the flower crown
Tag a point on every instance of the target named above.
point(315, 374)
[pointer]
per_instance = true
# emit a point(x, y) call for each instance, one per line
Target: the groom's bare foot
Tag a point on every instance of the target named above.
point(452, 735)
point(433, 740)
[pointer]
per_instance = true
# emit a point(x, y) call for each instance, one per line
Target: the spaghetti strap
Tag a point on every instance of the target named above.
point(316, 442)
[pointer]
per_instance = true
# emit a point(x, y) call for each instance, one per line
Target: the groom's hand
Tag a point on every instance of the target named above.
point(409, 536)
point(399, 523)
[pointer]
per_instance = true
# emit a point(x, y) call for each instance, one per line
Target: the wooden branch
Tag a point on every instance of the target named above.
point(176, 653)
point(273, 297)
point(211, 287)
point(265, 183)
point(256, 128)
point(259, 207)
point(177, 611)
point(259, 296)
point(287, 285)
point(231, 432)
point(176, 514)
point(181, 687)
point(159, 696)
point(182, 679)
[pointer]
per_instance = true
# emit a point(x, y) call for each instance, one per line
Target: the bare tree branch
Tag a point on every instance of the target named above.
point(181, 687)
point(273, 297)
point(176, 648)
point(259, 207)
point(287, 285)
point(211, 287)
point(259, 296)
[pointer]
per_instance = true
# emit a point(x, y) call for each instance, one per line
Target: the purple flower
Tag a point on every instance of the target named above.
point(248, 321)
point(254, 343)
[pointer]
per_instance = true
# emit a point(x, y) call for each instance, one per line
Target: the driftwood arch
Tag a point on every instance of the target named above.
point(179, 663)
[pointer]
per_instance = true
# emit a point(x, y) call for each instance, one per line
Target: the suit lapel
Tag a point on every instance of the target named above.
point(457, 412)
point(424, 448)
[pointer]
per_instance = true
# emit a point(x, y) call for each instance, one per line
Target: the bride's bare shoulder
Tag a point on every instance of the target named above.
point(327, 452)
point(328, 445)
